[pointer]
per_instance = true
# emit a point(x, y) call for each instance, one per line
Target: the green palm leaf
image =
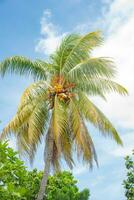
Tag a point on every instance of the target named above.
point(99, 86)
point(97, 118)
point(24, 66)
point(81, 50)
point(67, 44)
point(93, 67)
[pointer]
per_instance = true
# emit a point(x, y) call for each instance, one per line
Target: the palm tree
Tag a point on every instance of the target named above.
point(57, 104)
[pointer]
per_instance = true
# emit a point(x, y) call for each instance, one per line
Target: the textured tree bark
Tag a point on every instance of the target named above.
point(47, 166)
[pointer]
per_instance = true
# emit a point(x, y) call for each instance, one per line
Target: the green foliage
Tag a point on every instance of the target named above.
point(84, 195)
point(129, 182)
point(17, 183)
point(62, 186)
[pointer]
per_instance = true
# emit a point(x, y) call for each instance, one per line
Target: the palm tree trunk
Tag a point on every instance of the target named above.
point(48, 159)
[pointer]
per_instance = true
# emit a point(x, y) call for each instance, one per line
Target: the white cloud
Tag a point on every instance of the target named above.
point(116, 13)
point(50, 36)
point(120, 46)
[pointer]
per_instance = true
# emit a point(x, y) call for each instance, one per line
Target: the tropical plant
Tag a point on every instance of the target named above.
point(18, 183)
point(129, 182)
point(57, 104)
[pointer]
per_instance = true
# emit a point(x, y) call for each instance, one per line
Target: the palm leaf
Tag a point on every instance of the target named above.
point(18, 120)
point(97, 118)
point(24, 66)
point(80, 51)
point(37, 127)
point(61, 54)
point(23, 140)
point(84, 144)
point(93, 67)
point(89, 152)
point(35, 92)
point(99, 86)
point(59, 121)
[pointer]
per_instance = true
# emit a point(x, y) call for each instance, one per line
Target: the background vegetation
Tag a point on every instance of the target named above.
point(129, 182)
point(17, 183)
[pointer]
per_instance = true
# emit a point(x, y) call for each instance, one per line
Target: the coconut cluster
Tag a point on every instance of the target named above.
point(61, 89)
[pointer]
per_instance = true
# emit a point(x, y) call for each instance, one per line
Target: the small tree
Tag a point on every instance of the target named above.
point(129, 182)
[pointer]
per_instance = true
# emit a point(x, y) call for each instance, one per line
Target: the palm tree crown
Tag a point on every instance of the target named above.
point(58, 102)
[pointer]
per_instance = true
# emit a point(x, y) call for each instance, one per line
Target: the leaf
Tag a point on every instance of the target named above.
point(99, 86)
point(81, 137)
point(93, 68)
point(97, 118)
point(23, 66)
point(59, 121)
point(80, 51)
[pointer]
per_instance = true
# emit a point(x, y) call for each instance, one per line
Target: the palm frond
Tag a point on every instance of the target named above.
point(28, 125)
point(61, 54)
point(89, 152)
point(97, 118)
point(106, 85)
point(23, 140)
point(81, 50)
point(59, 120)
point(99, 86)
point(74, 119)
point(18, 120)
point(37, 122)
point(67, 148)
point(35, 92)
point(56, 158)
point(24, 66)
point(93, 67)
point(81, 137)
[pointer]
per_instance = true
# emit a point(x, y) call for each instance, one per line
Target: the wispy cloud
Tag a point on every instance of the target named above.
point(50, 35)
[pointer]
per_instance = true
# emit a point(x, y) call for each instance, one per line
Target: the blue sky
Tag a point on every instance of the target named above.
point(34, 29)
